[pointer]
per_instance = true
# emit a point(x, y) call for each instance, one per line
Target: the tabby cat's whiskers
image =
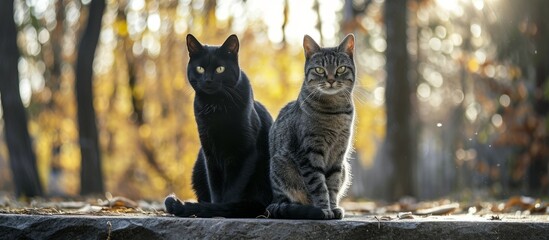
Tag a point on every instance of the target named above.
point(361, 95)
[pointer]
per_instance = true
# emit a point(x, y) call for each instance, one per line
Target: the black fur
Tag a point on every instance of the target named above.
point(231, 174)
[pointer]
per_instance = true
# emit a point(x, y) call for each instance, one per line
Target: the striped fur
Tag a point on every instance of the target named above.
point(311, 139)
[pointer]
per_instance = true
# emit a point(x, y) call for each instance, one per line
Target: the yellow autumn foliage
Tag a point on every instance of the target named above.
point(152, 156)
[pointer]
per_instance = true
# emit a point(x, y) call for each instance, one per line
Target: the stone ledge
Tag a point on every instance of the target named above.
point(14, 226)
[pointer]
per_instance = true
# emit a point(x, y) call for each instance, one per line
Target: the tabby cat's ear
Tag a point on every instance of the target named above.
point(231, 44)
point(347, 45)
point(193, 45)
point(310, 46)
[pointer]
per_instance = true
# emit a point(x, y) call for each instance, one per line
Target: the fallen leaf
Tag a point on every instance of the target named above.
point(90, 209)
point(439, 210)
point(119, 202)
point(521, 202)
point(405, 215)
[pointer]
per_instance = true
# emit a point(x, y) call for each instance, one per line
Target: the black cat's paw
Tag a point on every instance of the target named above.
point(339, 213)
point(328, 214)
point(173, 205)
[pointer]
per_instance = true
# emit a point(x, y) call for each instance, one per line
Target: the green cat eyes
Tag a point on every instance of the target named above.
point(340, 70)
point(219, 69)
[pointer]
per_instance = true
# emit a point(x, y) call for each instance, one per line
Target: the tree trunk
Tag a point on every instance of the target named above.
point(91, 177)
point(539, 165)
point(399, 142)
point(318, 25)
point(286, 13)
point(22, 158)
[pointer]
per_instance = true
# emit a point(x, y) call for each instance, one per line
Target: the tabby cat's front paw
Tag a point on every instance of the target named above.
point(339, 213)
point(328, 214)
point(173, 205)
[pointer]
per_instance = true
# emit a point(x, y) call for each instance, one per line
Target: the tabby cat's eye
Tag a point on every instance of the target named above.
point(319, 70)
point(220, 69)
point(200, 69)
point(341, 70)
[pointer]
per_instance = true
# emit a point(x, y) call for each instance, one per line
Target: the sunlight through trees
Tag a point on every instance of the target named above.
point(477, 89)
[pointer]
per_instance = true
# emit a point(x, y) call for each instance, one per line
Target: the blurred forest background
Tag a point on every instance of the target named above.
point(452, 95)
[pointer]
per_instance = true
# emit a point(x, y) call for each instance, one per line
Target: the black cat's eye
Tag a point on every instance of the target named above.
point(319, 70)
point(220, 69)
point(341, 70)
point(200, 69)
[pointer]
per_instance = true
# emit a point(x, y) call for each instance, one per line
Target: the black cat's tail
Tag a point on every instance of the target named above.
point(245, 209)
point(295, 211)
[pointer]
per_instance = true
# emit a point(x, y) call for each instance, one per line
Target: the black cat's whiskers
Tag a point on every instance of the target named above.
point(226, 92)
point(188, 89)
point(207, 109)
point(234, 95)
point(188, 92)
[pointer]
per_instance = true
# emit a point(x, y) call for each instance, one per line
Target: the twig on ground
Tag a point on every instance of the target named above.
point(109, 230)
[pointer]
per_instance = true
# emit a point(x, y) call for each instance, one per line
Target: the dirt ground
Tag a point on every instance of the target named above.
point(513, 208)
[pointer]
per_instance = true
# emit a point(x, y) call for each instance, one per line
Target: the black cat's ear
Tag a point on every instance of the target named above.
point(193, 45)
point(231, 44)
point(347, 45)
point(310, 46)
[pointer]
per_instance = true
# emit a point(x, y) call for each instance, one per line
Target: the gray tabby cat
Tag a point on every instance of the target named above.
point(311, 139)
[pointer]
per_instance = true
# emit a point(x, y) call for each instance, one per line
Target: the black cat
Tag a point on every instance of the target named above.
point(231, 174)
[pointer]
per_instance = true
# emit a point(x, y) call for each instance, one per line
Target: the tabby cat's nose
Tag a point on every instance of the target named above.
point(331, 81)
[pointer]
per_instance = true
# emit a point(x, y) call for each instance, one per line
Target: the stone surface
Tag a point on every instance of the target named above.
point(364, 227)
